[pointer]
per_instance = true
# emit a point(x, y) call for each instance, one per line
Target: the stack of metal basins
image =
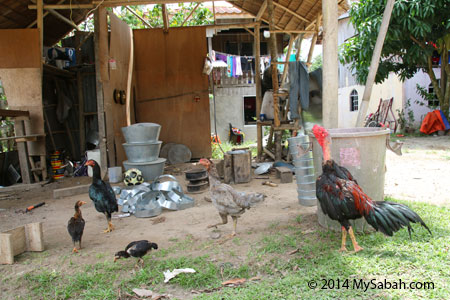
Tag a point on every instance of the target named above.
point(301, 152)
point(142, 148)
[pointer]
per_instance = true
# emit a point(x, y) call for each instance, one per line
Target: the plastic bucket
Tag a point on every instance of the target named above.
point(300, 150)
point(115, 174)
point(95, 155)
point(363, 152)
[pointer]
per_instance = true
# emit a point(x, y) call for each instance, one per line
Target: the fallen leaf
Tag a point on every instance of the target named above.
point(254, 278)
point(235, 281)
point(293, 251)
point(171, 274)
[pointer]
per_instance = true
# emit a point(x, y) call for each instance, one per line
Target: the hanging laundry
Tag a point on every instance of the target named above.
point(229, 66)
point(221, 57)
point(238, 66)
point(299, 88)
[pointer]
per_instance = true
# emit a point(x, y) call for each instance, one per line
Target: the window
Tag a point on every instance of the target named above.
point(249, 110)
point(247, 49)
point(435, 101)
point(354, 100)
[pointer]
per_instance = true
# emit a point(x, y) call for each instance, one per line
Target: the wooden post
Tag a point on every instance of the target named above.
point(330, 109)
point(100, 13)
point(257, 50)
point(286, 66)
point(374, 63)
point(165, 18)
point(22, 150)
point(299, 47)
point(313, 43)
point(129, 80)
point(40, 25)
point(80, 112)
point(273, 55)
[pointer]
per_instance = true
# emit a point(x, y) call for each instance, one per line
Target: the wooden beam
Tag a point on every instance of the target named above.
point(286, 67)
point(291, 12)
point(249, 31)
point(129, 80)
point(374, 63)
point(139, 17)
point(44, 15)
point(292, 31)
point(14, 113)
point(214, 13)
point(257, 54)
point(261, 11)
point(330, 109)
point(273, 55)
point(192, 11)
point(62, 6)
point(140, 2)
point(40, 25)
point(299, 46)
point(100, 13)
point(165, 18)
point(249, 12)
point(81, 112)
point(62, 18)
point(313, 23)
point(313, 43)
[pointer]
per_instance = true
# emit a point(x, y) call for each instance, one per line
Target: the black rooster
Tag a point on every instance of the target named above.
point(342, 199)
point(136, 249)
point(76, 226)
point(102, 194)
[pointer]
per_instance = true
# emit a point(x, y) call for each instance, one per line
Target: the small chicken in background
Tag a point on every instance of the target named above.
point(227, 200)
point(342, 199)
point(75, 227)
point(136, 249)
point(102, 194)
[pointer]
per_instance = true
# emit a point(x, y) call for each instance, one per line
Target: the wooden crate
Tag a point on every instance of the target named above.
point(18, 240)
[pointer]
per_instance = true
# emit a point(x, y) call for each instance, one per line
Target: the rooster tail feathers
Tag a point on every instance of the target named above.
point(389, 217)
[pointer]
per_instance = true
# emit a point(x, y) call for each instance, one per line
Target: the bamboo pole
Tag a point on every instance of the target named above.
point(299, 47)
point(288, 55)
point(292, 31)
point(165, 18)
point(374, 63)
point(192, 11)
point(40, 25)
point(257, 49)
point(291, 12)
point(261, 11)
point(139, 17)
point(273, 54)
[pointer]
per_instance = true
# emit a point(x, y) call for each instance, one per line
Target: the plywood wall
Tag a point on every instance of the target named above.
point(114, 58)
point(171, 88)
point(20, 73)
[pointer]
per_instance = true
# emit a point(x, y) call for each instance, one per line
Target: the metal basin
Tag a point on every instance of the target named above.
point(142, 152)
point(141, 132)
point(150, 170)
point(148, 206)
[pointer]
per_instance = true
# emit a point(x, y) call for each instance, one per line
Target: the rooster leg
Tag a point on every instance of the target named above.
point(74, 248)
point(110, 225)
point(356, 247)
point(344, 238)
point(224, 221)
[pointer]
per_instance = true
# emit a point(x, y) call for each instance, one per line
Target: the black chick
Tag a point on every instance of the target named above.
point(75, 227)
point(102, 194)
point(136, 249)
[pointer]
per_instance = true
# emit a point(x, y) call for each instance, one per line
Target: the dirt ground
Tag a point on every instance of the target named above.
point(421, 174)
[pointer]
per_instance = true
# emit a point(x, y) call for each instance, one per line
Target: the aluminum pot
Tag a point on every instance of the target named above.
point(142, 152)
point(141, 132)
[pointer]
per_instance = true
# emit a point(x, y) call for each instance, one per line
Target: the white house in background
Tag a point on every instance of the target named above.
point(411, 94)
point(350, 92)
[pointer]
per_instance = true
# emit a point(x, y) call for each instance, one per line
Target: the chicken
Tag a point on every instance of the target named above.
point(342, 199)
point(75, 227)
point(136, 249)
point(102, 194)
point(227, 200)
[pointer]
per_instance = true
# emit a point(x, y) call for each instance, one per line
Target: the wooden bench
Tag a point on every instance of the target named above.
point(18, 240)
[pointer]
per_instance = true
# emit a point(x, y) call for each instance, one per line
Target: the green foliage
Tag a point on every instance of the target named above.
point(316, 63)
point(406, 115)
point(416, 29)
point(153, 15)
point(227, 146)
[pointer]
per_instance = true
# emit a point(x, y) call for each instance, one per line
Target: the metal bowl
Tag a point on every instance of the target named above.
point(142, 152)
point(141, 132)
point(150, 170)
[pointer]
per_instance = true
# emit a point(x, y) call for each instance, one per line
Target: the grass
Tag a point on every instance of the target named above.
point(283, 276)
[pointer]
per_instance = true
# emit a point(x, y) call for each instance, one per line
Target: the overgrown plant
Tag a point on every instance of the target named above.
point(406, 116)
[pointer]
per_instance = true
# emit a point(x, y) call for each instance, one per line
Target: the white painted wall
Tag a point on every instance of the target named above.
point(411, 93)
point(230, 109)
point(391, 87)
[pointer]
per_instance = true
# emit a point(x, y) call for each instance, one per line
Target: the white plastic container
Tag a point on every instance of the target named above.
point(95, 155)
point(115, 174)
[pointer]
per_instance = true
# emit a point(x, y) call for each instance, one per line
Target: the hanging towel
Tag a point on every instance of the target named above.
point(229, 66)
point(238, 66)
point(299, 88)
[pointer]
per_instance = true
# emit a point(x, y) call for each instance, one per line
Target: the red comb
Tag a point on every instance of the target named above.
point(320, 133)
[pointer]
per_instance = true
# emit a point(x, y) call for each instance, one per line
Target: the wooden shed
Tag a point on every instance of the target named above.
point(159, 70)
